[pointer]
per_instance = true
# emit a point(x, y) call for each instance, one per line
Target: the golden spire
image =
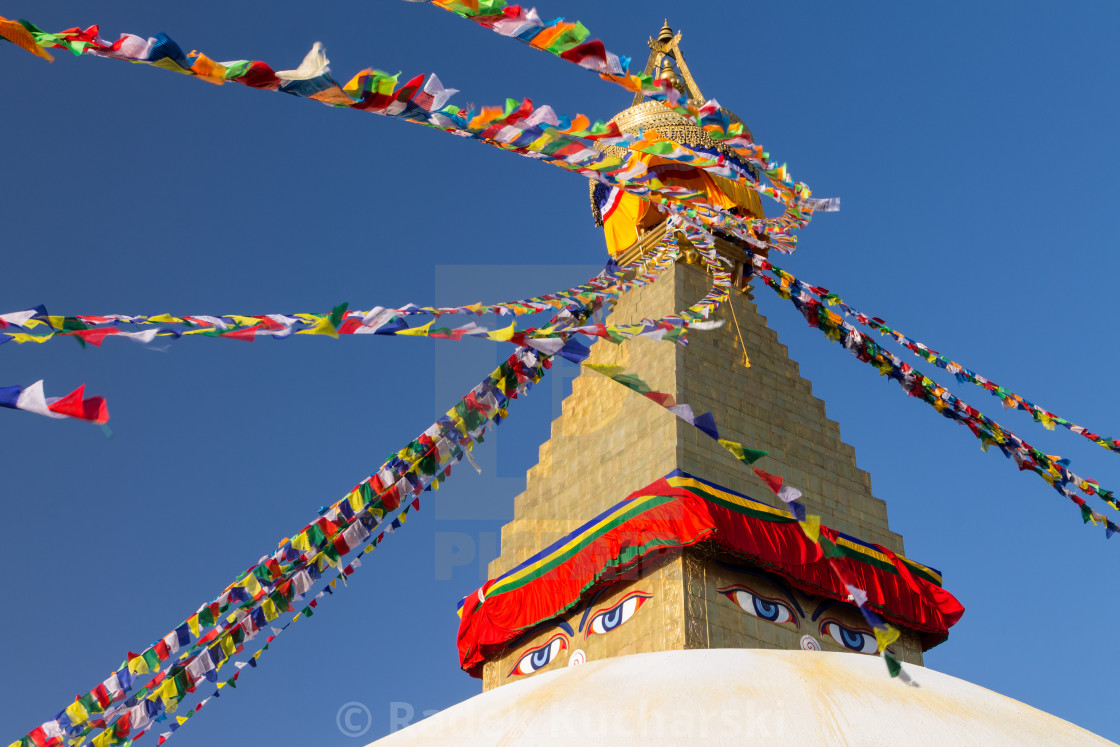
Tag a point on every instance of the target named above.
point(664, 48)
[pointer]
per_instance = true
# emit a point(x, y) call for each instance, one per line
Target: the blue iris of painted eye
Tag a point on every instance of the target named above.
point(540, 657)
point(770, 610)
point(853, 640)
point(766, 609)
point(611, 619)
point(608, 620)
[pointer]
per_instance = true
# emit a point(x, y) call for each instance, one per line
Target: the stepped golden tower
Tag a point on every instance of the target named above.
point(610, 441)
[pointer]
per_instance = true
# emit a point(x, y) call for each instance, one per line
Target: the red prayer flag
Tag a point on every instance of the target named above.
point(96, 335)
point(93, 409)
point(773, 481)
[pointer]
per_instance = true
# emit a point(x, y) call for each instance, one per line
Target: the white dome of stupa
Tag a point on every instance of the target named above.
point(736, 697)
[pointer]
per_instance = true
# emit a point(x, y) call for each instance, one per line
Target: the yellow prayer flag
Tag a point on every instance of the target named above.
point(811, 527)
point(417, 331)
point(270, 612)
point(168, 64)
point(886, 636)
point(356, 501)
point(192, 623)
point(503, 335)
point(250, 584)
point(137, 665)
point(354, 85)
point(301, 542)
point(543, 140)
point(165, 319)
point(734, 447)
point(104, 739)
point(77, 713)
point(168, 693)
point(22, 337)
point(322, 327)
point(227, 645)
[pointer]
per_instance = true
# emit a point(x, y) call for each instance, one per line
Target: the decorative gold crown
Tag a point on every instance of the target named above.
point(645, 115)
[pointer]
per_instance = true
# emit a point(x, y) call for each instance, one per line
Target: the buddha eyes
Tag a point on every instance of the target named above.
point(761, 607)
point(608, 620)
point(853, 640)
point(540, 656)
point(603, 621)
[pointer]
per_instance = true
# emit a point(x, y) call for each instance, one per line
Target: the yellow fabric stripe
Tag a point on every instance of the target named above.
point(687, 483)
point(690, 483)
point(627, 506)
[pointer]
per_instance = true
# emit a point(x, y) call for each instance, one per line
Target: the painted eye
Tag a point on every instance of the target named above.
point(759, 606)
point(608, 620)
point(540, 656)
point(853, 640)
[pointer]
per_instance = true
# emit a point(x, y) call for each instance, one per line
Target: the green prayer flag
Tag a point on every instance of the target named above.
point(830, 548)
point(336, 315)
point(315, 535)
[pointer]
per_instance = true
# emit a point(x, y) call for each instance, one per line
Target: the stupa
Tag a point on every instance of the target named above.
point(670, 576)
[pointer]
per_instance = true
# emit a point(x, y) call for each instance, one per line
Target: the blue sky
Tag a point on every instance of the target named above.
point(970, 144)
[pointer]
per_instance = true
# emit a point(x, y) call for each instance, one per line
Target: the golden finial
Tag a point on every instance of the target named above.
point(666, 34)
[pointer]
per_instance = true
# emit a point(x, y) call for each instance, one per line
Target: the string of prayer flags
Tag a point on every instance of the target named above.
point(388, 322)
point(307, 611)
point(1053, 469)
point(527, 26)
point(569, 42)
point(24, 326)
point(197, 648)
point(704, 422)
point(1010, 399)
point(538, 133)
point(74, 405)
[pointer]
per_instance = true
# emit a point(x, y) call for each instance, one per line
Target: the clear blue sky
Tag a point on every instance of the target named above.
point(971, 143)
